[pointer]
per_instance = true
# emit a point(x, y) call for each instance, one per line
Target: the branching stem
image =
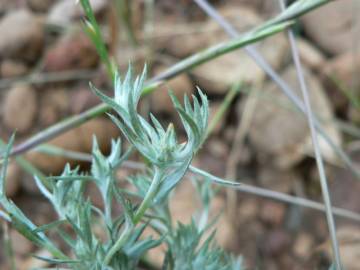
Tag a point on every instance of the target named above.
point(146, 203)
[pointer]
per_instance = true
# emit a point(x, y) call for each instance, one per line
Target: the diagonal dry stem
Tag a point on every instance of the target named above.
point(253, 53)
point(316, 146)
point(249, 189)
point(305, 108)
point(184, 65)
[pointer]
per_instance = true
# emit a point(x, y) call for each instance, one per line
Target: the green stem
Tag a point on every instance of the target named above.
point(221, 49)
point(296, 10)
point(92, 29)
point(48, 77)
point(148, 197)
point(267, 29)
point(119, 243)
point(59, 128)
point(223, 107)
point(178, 68)
point(29, 168)
point(123, 9)
point(53, 150)
point(146, 203)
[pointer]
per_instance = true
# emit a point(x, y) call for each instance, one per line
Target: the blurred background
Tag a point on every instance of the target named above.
point(47, 62)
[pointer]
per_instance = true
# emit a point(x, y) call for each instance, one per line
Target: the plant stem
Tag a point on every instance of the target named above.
point(59, 128)
point(5, 216)
point(178, 68)
point(118, 244)
point(184, 65)
point(29, 168)
point(297, 9)
point(220, 49)
point(340, 212)
point(293, 10)
point(123, 9)
point(278, 196)
point(145, 204)
point(191, 62)
point(48, 77)
point(92, 29)
point(53, 150)
point(234, 90)
point(82, 156)
point(317, 150)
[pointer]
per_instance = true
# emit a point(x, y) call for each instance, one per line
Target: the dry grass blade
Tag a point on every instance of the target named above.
point(278, 196)
point(253, 53)
point(317, 151)
point(261, 192)
point(305, 108)
point(184, 65)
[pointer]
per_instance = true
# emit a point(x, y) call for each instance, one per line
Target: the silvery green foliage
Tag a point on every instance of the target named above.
point(72, 207)
point(63, 192)
point(191, 247)
point(18, 219)
point(156, 144)
point(187, 252)
point(125, 244)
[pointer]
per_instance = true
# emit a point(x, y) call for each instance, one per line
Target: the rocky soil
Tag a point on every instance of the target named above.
point(46, 62)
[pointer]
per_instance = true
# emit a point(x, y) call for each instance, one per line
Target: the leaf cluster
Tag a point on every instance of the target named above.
point(122, 243)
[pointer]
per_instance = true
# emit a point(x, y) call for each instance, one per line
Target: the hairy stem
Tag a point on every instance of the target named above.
point(145, 204)
point(118, 244)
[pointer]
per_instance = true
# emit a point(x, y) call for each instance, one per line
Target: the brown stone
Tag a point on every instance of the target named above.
point(248, 209)
point(10, 68)
point(66, 11)
point(218, 75)
point(40, 5)
point(34, 263)
point(311, 56)
point(22, 35)
point(73, 51)
point(277, 179)
point(12, 179)
point(77, 139)
point(332, 26)
point(264, 7)
point(20, 108)
point(54, 105)
point(276, 242)
point(349, 244)
point(82, 99)
point(273, 213)
point(279, 133)
point(213, 110)
point(180, 86)
point(343, 69)
point(303, 246)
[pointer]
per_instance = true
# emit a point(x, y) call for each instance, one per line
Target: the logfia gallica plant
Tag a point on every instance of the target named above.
point(125, 246)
